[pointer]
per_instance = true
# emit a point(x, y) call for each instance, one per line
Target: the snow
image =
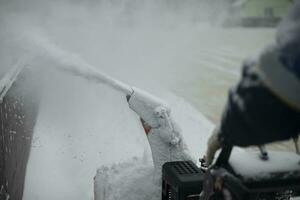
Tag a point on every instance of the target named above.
point(167, 144)
point(144, 104)
point(9, 78)
point(69, 62)
point(139, 178)
point(82, 125)
point(124, 119)
point(130, 180)
point(78, 147)
point(255, 168)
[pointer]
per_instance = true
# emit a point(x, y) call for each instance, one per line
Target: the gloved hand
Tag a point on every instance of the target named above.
point(213, 145)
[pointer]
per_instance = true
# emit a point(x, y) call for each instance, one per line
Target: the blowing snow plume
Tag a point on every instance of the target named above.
point(73, 65)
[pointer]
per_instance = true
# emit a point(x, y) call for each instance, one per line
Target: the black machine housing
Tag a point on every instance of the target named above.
point(183, 180)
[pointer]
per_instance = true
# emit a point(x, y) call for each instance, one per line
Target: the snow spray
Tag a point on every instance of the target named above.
point(74, 65)
point(141, 102)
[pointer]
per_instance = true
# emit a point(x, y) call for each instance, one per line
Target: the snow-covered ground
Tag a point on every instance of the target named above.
point(83, 125)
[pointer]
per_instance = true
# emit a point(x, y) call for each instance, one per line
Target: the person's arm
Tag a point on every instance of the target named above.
point(213, 145)
point(263, 106)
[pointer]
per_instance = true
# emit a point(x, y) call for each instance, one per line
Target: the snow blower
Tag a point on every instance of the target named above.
point(235, 175)
point(227, 178)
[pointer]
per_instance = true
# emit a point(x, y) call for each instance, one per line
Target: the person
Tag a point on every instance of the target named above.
point(264, 106)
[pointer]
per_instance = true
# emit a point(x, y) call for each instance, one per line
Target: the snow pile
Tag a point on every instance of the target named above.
point(130, 180)
point(137, 178)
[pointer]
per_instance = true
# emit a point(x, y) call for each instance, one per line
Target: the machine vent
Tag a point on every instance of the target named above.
point(186, 168)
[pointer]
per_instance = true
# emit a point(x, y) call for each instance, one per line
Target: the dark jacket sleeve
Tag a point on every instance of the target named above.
point(288, 39)
point(264, 106)
point(254, 115)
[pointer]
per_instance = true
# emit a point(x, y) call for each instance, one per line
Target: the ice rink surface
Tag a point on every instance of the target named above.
point(82, 125)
